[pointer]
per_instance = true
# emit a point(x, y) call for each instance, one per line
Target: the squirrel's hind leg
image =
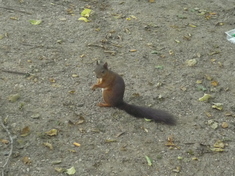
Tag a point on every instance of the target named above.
point(104, 105)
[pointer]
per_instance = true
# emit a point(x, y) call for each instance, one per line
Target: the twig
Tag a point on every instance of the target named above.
point(96, 45)
point(15, 72)
point(10, 152)
point(8, 8)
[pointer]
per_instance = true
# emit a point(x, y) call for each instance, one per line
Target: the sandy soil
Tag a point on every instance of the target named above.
point(170, 53)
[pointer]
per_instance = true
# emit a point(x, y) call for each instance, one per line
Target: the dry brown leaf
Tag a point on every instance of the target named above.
point(26, 160)
point(4, 141)
point(52, 80)
point(81, 120)
point(25, 131)
point(214, 83)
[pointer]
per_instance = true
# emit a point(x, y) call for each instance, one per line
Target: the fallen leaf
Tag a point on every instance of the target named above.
point(4, 141)
point(217, 149)
point(74, 76)
point(80, 121)
point(201, 87)
point(83, 19)
point(25, 131)
point(76, 144)
point(148, 160)
point(170, 142)
point(195, 158)
point(214, 83)
point(119, 134)
point(52, 132)
point(13, 98)
point(133, 50)
point(179, 157)
point(208, 114)
point(35, 22)
point(214, 52)
point(214, 125)
point(218, 106)
point(60, 170)
point(154, 52)
point(72, 91)
point(160, 67)
point(199, 81)
point(219, 144)
point(177, 169)
point(72, 151)
point(193, 26)
point(177, 41)
point(205, 97)
point(52, 80)
point(208, 77)
point(26, 160)
point(49, 145)
point(86, 12)
point(191, 62)
point(71, 171)
point(110, 140)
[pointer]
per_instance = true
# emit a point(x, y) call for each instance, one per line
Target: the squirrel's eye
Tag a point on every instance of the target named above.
point(102, 71)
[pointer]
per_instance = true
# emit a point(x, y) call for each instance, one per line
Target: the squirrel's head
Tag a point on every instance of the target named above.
point(101, 69)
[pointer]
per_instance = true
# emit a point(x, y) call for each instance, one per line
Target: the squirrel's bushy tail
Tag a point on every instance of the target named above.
point(148, 113)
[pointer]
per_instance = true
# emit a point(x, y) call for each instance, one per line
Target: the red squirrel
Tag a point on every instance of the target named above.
point(113, 88)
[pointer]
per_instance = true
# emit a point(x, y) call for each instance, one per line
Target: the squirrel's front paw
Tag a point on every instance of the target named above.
point(93, 87)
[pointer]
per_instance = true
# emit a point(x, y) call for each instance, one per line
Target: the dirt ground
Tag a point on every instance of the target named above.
point(170, 53)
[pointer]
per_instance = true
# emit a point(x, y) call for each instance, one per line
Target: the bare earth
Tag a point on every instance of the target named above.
point(170, 53)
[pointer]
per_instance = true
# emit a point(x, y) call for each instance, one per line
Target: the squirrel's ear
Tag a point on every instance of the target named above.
point(105, 65)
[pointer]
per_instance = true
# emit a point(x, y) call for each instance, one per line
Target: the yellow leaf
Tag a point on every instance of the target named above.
point(71, 171)
point(86, 12)
point(48, 145)
point(205, 97)
point(218, 106)
point(83, 19)
point(76, 144)
point(52, 132)
point(133, 50)
point(74, 75)
point(193, 26)
point(35, 22)
point(219, 144)
point(148, 161)
point(72, 91)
